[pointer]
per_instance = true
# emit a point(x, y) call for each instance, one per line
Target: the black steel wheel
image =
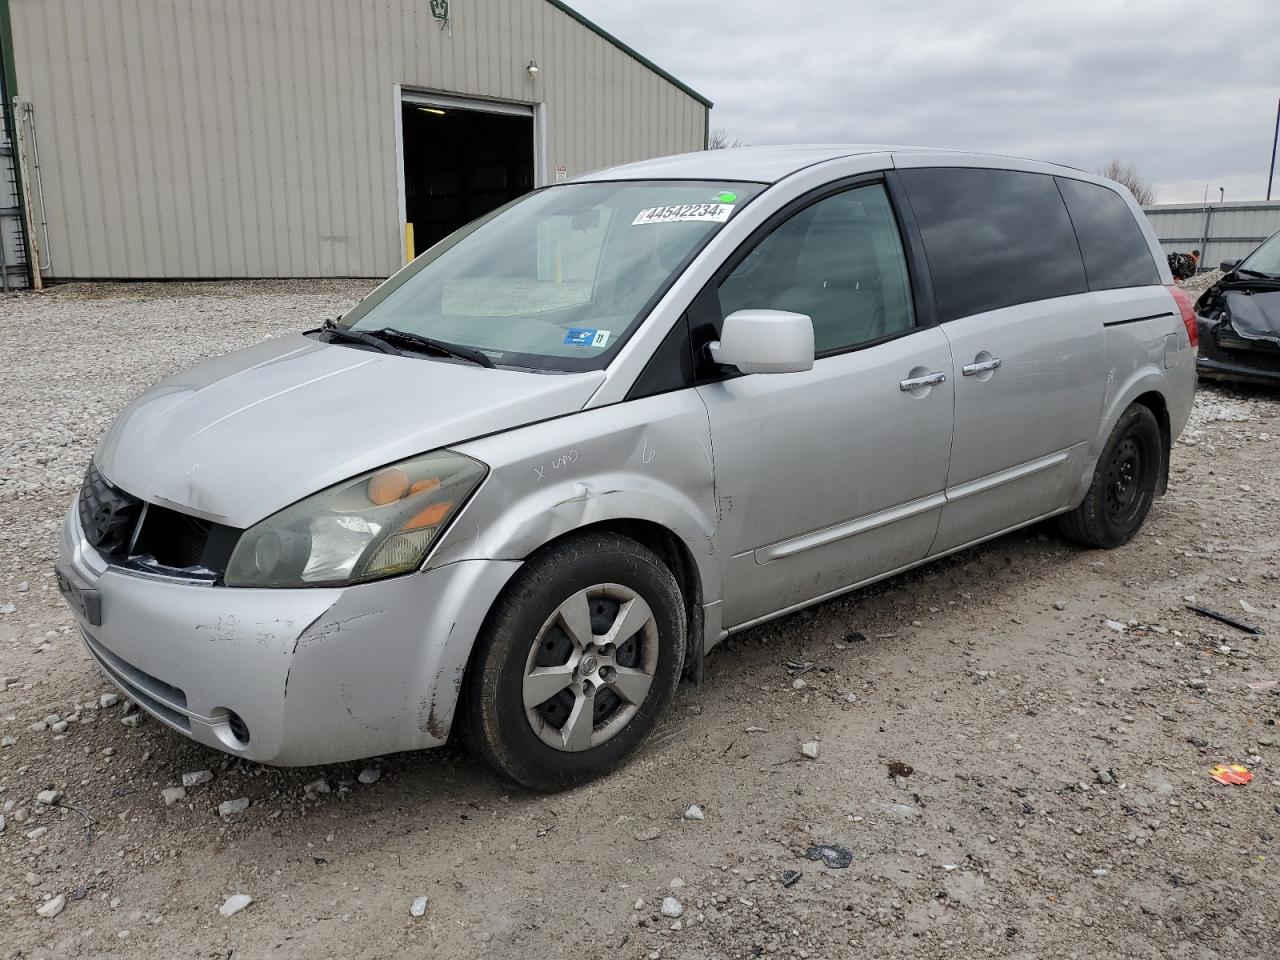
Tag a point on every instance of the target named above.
point(1124, 483)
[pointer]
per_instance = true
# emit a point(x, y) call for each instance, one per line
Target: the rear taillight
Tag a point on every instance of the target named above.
point(1188, 313)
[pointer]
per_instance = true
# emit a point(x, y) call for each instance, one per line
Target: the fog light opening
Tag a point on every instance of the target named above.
point(231, 729)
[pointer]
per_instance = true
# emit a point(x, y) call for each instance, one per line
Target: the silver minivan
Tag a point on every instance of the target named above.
point(523, 487)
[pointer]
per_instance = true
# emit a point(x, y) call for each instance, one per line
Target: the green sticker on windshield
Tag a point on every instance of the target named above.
point(726, 197)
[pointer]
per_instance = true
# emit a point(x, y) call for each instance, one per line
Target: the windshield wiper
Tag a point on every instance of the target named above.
point(392, 335)
point(336, 332)
point(1257, 273)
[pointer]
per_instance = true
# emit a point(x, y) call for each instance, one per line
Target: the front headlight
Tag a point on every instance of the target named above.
point(376, 525)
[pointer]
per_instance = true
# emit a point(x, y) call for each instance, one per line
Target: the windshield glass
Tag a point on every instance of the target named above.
point(1266, 259)
point(559, 278)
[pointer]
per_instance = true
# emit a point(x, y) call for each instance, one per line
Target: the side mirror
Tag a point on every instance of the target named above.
point(1226, 266)
point(765, 341)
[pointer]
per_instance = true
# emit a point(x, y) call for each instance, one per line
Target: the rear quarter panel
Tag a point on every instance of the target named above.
point(1147, 351)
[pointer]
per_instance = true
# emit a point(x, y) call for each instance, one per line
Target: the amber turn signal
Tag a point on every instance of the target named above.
point(430, 517)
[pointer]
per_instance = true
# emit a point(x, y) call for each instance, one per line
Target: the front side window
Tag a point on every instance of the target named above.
point(1113, 245)
point(839, 261)
point(559, 278)
point(994, 238)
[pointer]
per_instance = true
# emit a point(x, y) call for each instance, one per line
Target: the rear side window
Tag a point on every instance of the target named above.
point(994, 238)
point(1115, 250)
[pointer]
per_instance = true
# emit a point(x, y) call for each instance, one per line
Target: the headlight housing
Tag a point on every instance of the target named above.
point(376, 525)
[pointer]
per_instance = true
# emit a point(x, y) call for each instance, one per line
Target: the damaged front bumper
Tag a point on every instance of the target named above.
point(1225, 355)
point(287, 676)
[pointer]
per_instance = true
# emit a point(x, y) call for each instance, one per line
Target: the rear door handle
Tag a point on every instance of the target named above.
point(928, 380)
point(973, 369)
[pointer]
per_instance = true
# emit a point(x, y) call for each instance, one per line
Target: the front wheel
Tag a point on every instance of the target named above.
point(577, 661)
point(1124, 483)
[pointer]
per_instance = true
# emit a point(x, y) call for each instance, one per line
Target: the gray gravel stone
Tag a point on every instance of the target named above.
point(234, 904)
point(231, 808)
point(171, 795)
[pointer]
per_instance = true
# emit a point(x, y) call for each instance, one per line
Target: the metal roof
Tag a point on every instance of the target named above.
point(631, 52)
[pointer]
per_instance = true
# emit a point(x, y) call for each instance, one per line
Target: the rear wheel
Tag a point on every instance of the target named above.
point(1124, 483)
point(578, 660)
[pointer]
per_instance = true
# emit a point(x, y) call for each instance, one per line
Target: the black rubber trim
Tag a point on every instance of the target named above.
point(1150, 316)
point(671, 366)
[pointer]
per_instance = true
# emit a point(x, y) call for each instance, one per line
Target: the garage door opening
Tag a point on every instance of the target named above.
point(460, 163)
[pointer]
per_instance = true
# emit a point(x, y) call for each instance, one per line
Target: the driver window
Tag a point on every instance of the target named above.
point(838, 261)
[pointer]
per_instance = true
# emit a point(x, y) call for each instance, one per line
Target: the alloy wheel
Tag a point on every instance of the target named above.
point(591, 667)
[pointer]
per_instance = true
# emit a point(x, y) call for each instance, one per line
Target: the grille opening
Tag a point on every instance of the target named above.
point(173, 539)
point(128, 532)
point(108, 515)
point(162, 700)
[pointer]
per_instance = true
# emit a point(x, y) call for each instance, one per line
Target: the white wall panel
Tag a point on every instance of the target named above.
point(252, 138)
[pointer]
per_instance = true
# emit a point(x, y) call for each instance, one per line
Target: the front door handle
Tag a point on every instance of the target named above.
point(984, 366)
point(928, 380)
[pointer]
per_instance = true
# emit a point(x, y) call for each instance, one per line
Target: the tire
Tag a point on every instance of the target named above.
point(528, 647)
point(1124, 484)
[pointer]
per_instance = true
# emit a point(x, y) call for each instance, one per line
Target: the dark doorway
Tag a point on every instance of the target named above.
point(459, 165)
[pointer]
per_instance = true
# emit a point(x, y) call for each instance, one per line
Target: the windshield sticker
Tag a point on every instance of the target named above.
point(680, 212)
point(582, 337)
point(725, 197)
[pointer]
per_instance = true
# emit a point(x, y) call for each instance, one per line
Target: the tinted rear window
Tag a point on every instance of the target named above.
point(994, 238)
point(1115, 250)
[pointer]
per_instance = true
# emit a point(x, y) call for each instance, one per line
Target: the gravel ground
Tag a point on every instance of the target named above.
point(1200, 283)
point(1058, 802)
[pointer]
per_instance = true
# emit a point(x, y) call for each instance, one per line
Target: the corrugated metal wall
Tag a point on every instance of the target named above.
point(256, 138)
point(1233, 229)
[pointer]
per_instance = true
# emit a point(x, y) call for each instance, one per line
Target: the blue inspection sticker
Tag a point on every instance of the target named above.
point(584, 337)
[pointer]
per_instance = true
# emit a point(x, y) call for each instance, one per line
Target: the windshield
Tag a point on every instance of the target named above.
point(1266, 259)
point(558, 279)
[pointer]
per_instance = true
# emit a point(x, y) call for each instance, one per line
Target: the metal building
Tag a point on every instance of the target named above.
point(1220, 231)
point(309, 138)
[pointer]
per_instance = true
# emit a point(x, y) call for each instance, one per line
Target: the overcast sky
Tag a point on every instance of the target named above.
point(1186, 91)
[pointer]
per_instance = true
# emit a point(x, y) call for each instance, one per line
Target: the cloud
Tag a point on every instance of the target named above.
point(1186, 92)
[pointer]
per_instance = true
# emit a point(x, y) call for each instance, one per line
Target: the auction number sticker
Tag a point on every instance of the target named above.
point(715, 212)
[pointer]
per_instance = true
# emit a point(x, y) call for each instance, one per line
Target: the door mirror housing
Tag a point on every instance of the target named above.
point(765, 341)
point(1226, 266)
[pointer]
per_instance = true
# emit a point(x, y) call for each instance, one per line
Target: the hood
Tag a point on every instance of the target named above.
point(1251, 306)
point(239, 437)
point(1254, 311)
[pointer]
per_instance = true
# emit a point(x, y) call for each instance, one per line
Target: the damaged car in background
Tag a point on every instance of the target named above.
point(1239, 319)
